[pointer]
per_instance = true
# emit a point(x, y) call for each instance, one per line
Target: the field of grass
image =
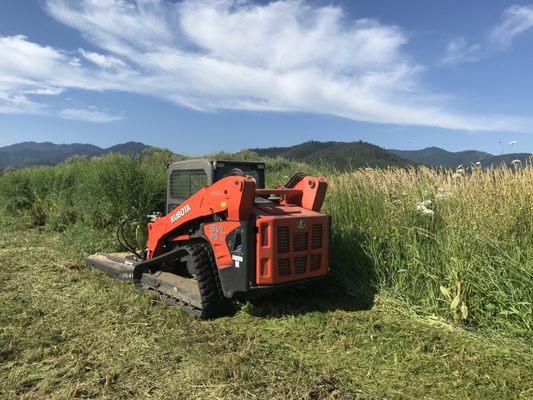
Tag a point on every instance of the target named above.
point(431, 295)
point(70, 332)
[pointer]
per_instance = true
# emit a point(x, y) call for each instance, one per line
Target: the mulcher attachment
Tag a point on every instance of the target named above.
point(199, 295)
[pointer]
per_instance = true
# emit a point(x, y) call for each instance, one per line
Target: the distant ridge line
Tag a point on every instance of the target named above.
point(27, 154)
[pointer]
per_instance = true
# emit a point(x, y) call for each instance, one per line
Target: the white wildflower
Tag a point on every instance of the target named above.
point(427, 211)
point(516, 162)
point(423, 207)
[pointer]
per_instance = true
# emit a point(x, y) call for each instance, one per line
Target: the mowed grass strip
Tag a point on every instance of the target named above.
point(70, 332)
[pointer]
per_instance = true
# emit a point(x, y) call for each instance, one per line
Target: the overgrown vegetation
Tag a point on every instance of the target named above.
point(458, 244)
point(455, 244)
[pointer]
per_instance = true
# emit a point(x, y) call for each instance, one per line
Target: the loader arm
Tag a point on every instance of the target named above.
point(233, 195)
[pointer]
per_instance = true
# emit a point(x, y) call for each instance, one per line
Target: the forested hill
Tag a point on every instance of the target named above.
point(31, 153)
point(342, 155)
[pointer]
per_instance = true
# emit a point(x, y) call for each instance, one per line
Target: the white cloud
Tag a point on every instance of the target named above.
point(459, 51)
point(516, 20)
point(287, 35)
point(19, 104)
point(88, 115)
point(46, 91)
point(28, 69)
point(232, 54)
point(106, 62)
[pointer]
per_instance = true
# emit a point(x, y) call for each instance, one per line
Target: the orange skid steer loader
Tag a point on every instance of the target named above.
point(225, 235)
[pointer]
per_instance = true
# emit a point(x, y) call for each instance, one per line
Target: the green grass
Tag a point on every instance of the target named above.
point(70, 332)
point(458, 245)
point(468, 259)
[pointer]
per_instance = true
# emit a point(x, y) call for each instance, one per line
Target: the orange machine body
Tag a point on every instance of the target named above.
point(292, 244)
point(259, 243)
point(233, 196)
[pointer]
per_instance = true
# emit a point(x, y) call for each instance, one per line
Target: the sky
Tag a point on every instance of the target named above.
point(199, 76)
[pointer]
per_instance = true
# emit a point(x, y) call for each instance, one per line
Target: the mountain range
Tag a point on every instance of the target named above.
point(437, 157)
point(31, 153)
point(342, 155)
point(345, 155)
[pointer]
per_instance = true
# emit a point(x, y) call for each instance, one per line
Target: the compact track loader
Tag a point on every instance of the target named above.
point(225, 235)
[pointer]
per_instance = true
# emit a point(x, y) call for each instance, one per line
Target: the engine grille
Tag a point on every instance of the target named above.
point(315, 261)
point(316, 236)
point(300, 264)
point(283, 239)
point(284, 266)
point(299, 250)
point(300, 241)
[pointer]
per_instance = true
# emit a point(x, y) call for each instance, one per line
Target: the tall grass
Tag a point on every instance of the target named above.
point(452, 244)
point(88, 197)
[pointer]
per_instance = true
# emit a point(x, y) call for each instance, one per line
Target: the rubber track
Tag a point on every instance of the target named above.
point(173, 301)
point(203, 268)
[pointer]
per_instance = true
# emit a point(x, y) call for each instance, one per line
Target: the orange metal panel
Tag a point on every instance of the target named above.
point(300, 259)
point(216, 233)
point(233, 195)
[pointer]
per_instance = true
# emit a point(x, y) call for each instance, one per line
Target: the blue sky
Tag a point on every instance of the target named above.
point(198, 76)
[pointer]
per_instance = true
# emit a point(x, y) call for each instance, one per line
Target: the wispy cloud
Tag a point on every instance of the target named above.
point(102, 61)
point(515, 21)
point(459, 51)
point(88, 115)
point(29, 71)
point(287, 56)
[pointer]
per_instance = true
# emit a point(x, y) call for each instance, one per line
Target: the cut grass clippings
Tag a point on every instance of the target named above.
point(70, 332)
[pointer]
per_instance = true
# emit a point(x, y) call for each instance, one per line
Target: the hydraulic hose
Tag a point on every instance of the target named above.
point(297, 177)
point(121, 238)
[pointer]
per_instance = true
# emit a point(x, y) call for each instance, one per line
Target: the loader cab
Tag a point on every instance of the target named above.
point(184, 178)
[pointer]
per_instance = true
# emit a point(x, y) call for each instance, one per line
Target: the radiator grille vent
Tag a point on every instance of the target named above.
point(316, 236)
point(284, 266)
point(300, 264)
point(315, 261)
point(299, 250)
point(283, 239)
point(300, 241)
